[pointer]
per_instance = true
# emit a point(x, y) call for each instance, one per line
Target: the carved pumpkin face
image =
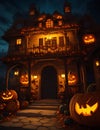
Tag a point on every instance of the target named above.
point(9, 95)
point(24, 79)
point(89, 38)
point(86, 111)
point(85, 108)
point(72, 78)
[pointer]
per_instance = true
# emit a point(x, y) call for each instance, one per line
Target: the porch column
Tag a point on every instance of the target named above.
point(66, 79)
point(29, 77)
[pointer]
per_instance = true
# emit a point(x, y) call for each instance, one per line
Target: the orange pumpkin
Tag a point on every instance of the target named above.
point(72, 78)
point(24, 79)
point(88, 38)
point(85, 108)
point(9, 95)
point(12, 106)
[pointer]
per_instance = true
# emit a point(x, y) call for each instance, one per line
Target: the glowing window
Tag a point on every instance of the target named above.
point(59, 17)
point(32, 12)
point(67, 10)
point(49, 23)
point(40, 25)
point(19, 41)
point(59, 23)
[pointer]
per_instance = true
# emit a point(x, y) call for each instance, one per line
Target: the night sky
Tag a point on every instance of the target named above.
point(8, 8)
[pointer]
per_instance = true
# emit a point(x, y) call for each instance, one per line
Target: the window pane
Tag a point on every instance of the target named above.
point(19, 41)
point(40, 42)
point(61, 41)
point(54, 42)
point(49, 23)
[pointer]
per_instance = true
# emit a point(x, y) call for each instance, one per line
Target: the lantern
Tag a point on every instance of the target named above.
point(85, 108)
point(9, 95)
point(24, 79)
point(89, 38)
point(72, 78)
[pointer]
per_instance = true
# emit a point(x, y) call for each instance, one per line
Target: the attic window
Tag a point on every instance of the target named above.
point(49, 23)
point(19, 41)
point(67, 10)
point(32, 12)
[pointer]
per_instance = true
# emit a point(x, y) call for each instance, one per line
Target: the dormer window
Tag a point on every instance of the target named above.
point(67, 9)
point(49, 23)
point(59, 17)
point(19, 41)
point(32, 12)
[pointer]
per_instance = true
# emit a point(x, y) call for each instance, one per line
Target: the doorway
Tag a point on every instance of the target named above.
point(49, 83)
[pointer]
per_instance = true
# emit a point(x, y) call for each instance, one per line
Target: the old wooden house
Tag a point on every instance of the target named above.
point(51, 54)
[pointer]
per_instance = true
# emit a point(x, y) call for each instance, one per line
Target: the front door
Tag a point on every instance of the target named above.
point(49, 83)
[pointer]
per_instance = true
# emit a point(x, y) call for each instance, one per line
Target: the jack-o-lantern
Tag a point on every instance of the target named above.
point(24, 79)
point(72, 78)
point(88, 38)
point(9, 95)
point(85, 108)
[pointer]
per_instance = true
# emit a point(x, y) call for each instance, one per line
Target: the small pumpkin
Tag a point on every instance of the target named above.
point(62, 108)
point(12, 106)
point(72, 78)
point(9, 95)
point(85, 108)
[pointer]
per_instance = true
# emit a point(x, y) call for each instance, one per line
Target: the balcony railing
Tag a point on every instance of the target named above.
point(44, 50)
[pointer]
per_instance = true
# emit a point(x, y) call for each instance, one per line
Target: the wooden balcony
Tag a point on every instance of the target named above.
point(41, 53)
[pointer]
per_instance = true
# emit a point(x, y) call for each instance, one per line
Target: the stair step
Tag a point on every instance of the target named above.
point(43, 107)
point(46, 102)
point(36, 113)
point(40, 108)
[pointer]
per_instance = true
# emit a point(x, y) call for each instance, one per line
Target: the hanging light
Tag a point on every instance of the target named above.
point(97, 63)
point(16, 72)
point(63, 75)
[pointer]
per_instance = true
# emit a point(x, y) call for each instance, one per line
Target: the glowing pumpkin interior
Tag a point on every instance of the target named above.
point(89, 38)
point(86, 111)
point(24, 79)
point(7, 95)
point(72, 78)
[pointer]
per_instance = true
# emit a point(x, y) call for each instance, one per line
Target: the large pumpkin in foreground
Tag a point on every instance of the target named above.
point(85, 108)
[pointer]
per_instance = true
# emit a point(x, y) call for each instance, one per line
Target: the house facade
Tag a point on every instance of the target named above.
point(51, 54)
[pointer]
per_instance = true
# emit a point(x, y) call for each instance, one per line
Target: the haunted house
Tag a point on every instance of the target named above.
point(52, 54)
